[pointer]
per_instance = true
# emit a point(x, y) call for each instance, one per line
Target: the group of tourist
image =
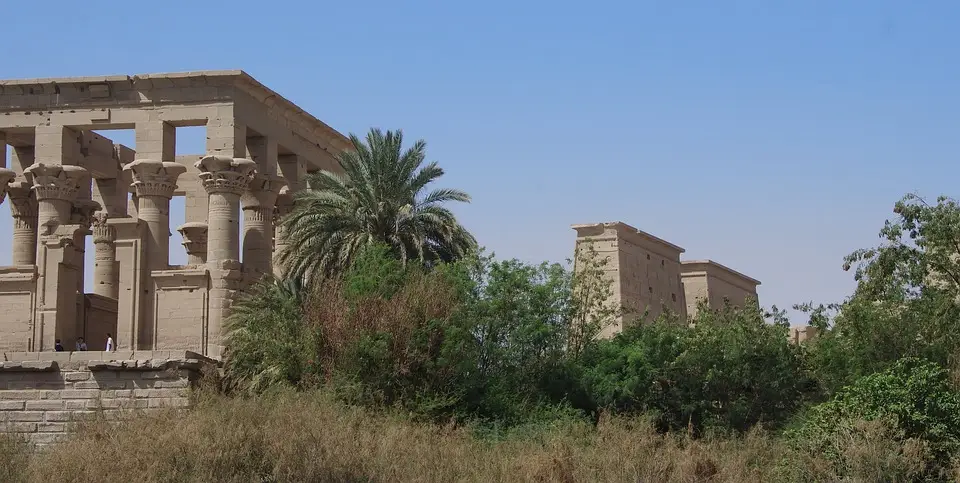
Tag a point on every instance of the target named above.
point(82, 344)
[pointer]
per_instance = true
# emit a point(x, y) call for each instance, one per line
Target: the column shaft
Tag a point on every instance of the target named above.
point(106, 278)
point(258, 206)
point(257, 246)
point(223, 235)
point(23, 208)
point(106, 269)
point(155, 212)
point(283, 208)
point(25, 240)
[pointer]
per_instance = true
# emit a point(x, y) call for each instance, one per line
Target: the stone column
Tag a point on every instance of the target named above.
point(106, 269)
point(154, 183)
point(82, 216)
point(56, 317)
point(56, 187)
point(258, 211)
point(224, 178)
point(284, 206)
point(23, 208)
point(195, 242)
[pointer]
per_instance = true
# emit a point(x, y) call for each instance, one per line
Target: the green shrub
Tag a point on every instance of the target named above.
point(731, 370)
point(267, 343)
point(913, 398)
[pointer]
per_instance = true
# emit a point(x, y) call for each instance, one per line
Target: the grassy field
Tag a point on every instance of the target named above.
point(311, 437)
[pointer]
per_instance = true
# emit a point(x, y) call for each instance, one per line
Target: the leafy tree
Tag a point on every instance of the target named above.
point(905, 304)
point(379, 198)
point(267, 342)
point(591, 309)
point(731, 369)
point(921, 252)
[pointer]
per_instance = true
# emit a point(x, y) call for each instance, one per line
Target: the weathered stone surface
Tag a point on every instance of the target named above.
point(45, 405)
point(29, 366)
point(99, 389)
point(104, 365)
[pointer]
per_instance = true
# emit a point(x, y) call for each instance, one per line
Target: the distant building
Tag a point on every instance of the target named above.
point(647, 274)
point(715, 283)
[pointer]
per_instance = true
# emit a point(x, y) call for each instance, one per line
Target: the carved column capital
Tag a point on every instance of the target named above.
point(194, 240)
point(283, 205)
point(56, 181)
point(81, 214)
point(154, 178)
point(259, 200)
point(102, 231)
point(263, 190)
point(23, 201)
point(223, 174)
point(6, 176)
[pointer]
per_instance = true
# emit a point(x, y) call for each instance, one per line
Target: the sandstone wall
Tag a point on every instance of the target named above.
point(44, 394)
point(17, 294)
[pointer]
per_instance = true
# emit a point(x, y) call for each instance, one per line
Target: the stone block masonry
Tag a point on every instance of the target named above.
point(647, 275)
point(43, 395)
point(66, 182)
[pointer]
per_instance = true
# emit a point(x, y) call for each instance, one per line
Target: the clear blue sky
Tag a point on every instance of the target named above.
point(772, 138)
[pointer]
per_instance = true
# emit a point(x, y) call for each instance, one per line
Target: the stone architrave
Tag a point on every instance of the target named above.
point(284, 206)
point(23, 208)
point(259, 203)
point(154, 183)
point(56, 187)
point(106, 269)
point(224, 179)
point(194, 242)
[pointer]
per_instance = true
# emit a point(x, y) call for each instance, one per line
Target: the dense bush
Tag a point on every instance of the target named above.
point(913, 400)
point(509, 344)
point(730, 370)
point(267, 343)
point(479, 339)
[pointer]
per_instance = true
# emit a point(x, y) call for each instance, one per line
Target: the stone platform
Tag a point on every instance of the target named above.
point(42, 394)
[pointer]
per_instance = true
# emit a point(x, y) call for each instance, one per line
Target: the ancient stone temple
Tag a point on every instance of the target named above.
point(647, 275)
point(65, 182)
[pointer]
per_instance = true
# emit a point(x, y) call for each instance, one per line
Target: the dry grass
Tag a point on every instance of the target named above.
point(309, 437)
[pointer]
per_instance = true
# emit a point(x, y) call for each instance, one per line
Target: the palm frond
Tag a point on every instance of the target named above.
point(377, 199)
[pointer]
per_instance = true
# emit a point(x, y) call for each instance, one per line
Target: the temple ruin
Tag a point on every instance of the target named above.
point(66, 182)
point(647, 275)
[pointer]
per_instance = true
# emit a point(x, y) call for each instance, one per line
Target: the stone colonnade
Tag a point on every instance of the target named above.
point(66, 182)
point(52, 220)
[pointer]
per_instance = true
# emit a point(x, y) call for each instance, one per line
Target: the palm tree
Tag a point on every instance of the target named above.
point(380, 198)
point(267, 342)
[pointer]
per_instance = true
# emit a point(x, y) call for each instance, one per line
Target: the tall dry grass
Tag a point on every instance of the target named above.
point(311, 437)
